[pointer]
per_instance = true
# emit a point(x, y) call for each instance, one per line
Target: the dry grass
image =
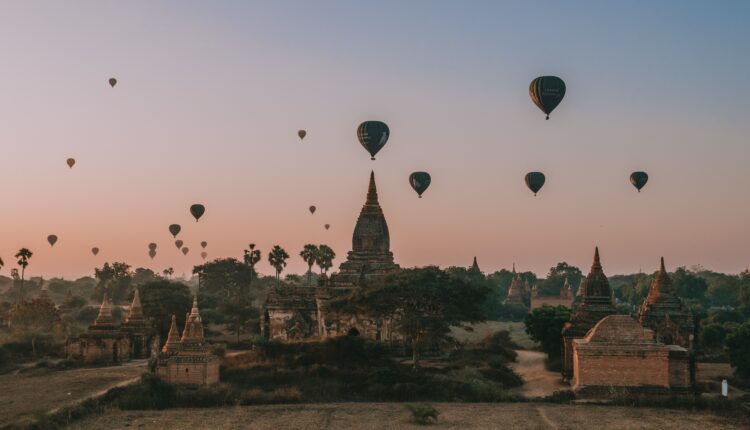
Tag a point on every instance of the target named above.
point(482, 330)
point(394, 416)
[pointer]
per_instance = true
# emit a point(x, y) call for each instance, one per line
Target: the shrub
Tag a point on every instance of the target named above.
point(423, 413)
point(150, 393)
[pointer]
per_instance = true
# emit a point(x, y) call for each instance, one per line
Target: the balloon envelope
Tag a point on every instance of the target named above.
point(94, 250)
point(178, 243)
point(197, 211)
point(535, 181)
point(112, 82)
point(175, 229)
point(639, 180)
point(52, 239)
point(152, 253)
point(301, 134)
point(71, 162)
point(204, 254)
point(372, 136)
point(547, 92)
point(152, 246)
point(204, 244)
point(185, 250)
point(420, 181)
point(312, 209)
point(327, 226)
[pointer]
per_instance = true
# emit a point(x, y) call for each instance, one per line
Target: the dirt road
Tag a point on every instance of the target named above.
point(538, 381)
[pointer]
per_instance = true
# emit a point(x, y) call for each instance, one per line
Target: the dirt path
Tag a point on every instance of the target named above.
point(538, 381)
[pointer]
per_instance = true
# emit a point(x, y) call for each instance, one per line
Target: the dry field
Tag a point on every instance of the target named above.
point(40, 390)
point(480, 331)
point(373, 416)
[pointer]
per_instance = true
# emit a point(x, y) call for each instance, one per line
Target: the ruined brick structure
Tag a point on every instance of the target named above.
point(188, 360)
point(664, 313)
point(519, 292)
point(596, 303)
point(620, 357)
point(103, 342)
point(564, 299)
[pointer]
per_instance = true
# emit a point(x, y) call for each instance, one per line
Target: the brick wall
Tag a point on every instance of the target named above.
point(603, 367)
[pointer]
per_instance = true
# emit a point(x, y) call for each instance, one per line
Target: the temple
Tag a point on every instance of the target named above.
point(664, 313)
point(519, 292)
point(565, 297)
point(143, 338)
point(103, 342)
point(596, 303)
point(475, 266)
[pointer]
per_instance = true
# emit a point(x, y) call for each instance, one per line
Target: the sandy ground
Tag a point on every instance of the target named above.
point(24, 394)
point(393, 416)
point(480, 331)
point(538, 381)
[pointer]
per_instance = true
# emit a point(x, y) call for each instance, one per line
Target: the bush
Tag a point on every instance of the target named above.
point(150, 393)
point(423, 413)
point(738, 350)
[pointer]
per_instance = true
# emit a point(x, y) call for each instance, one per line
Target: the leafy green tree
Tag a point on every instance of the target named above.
point(116, 279)
point(277, 258)
point(545, 325)
point(712, 336)
point(228, 281)
point(32, 319)
point(168, 272)
point(251, 256)
point(738, 349)
point(309, 254)
point(23, 255)
point(724, 291)
point(688, 285)
point(325, 258)
point(422, 303)
point(162, 299)
point(552, 285)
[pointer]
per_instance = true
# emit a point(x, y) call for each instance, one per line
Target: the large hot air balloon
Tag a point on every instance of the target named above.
point(175, 229)
point(327, 226)
point(197, 210)
point(420, 181)
point(373, 135)
point(301, 134)
point(152, 253)
point(312, 209)
point(52, 239)
point(71, 162)
point(178, 243)
point(152, 246)
point(204, 254)
point(94, 251)
point(112, 82)
point(639, 179)
point(185, 250)
point(547, 92)
point(535, 181)
point(204, 244)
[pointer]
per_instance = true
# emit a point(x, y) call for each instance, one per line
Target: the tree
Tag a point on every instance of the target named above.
point(277, 258)
point(738, 349)
point(23, 255)
point(168, 272)
point(162, 299)
point(252, 256)
point(2, 263)
point(325, 258)
point(310, 254)
point(555, 280)
point(116, 279)
point(226, 278)
point(33, 319)
point(545, 325)
point(688, 285)
point(422, 304)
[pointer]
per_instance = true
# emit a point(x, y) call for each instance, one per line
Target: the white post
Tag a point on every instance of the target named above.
point(724, 388)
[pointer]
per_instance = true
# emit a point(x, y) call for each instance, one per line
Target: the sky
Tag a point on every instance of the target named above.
point(210, 97)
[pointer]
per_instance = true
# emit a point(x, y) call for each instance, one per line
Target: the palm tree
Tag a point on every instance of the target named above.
point(168, 272)
point(252, 256)
point(277, 258)
point(325, 258)
point(310, 254)
point(2, 263)
point(23, 255)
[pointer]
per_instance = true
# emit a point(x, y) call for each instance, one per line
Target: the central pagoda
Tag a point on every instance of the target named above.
point(370, 256)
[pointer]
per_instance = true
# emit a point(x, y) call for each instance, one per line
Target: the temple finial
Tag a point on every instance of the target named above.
point(475, 265)
point(597, 262)
point(372, 191)
point(662, 269)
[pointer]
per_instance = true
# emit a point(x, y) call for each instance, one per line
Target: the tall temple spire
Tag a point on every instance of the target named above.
point(514, 267)
point(662, 307)
point(372, 191)
point(193, 325)
point(597, 265)
point(104, 318)
point(173, 341)
point(136, 310)
point(475, 265)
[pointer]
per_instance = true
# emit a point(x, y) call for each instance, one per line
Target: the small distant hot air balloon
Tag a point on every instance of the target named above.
point(175, 229)
point(185, 250)
point(152, 253)
point(638, 179)
point(535, 181)
point(197, 210)
point(547, 92)
point(301, 134)
point(152, 246)
point(312, 209)
point(204, 244)
point(327, 226)
point(112, 82)
point(178, 243)
point(95, 251)
point(372, 136)
point(71, 162)
point(420, 181)
point(204, 254)
point(52, 239)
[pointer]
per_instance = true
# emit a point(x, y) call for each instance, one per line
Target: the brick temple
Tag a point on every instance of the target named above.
point(664, 313)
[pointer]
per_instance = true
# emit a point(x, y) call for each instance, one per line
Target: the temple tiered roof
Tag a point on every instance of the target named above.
point(664, 312)
point(519, 292)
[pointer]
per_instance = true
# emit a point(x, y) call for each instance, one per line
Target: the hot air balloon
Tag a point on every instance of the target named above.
point(185, 250)
point(535, 181)
point(112, 82)
point(547, 92)
point(152, 246)
point(204, 254)
point(301, 134)
point(178, 243)
point(94, 251)
point(52, 239)
point(152, 253)
point(204, 244)
point(373, 135)
point(312, 209)
point(420, 181)
point(327, 226)
point(71, 162)
point(638, 179)
point(197, 211)
point(175, 229)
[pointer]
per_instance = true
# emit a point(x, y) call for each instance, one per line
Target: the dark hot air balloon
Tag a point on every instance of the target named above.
point(95, 251)
point(204, 254)
point(178, 243)
point(112, 82)
point(71, 162)
point(420, 181)
point(204, 244)
point(547, 92)
point(52, 239)
point(197, 211)
point(639, 179)
point(301, 134)
point(175, 229)
point(535, 181)
point(373, 135)
point(152, 253)
point(152, 246)
point(327, 226)
point(185, 250)
point(312, 209)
